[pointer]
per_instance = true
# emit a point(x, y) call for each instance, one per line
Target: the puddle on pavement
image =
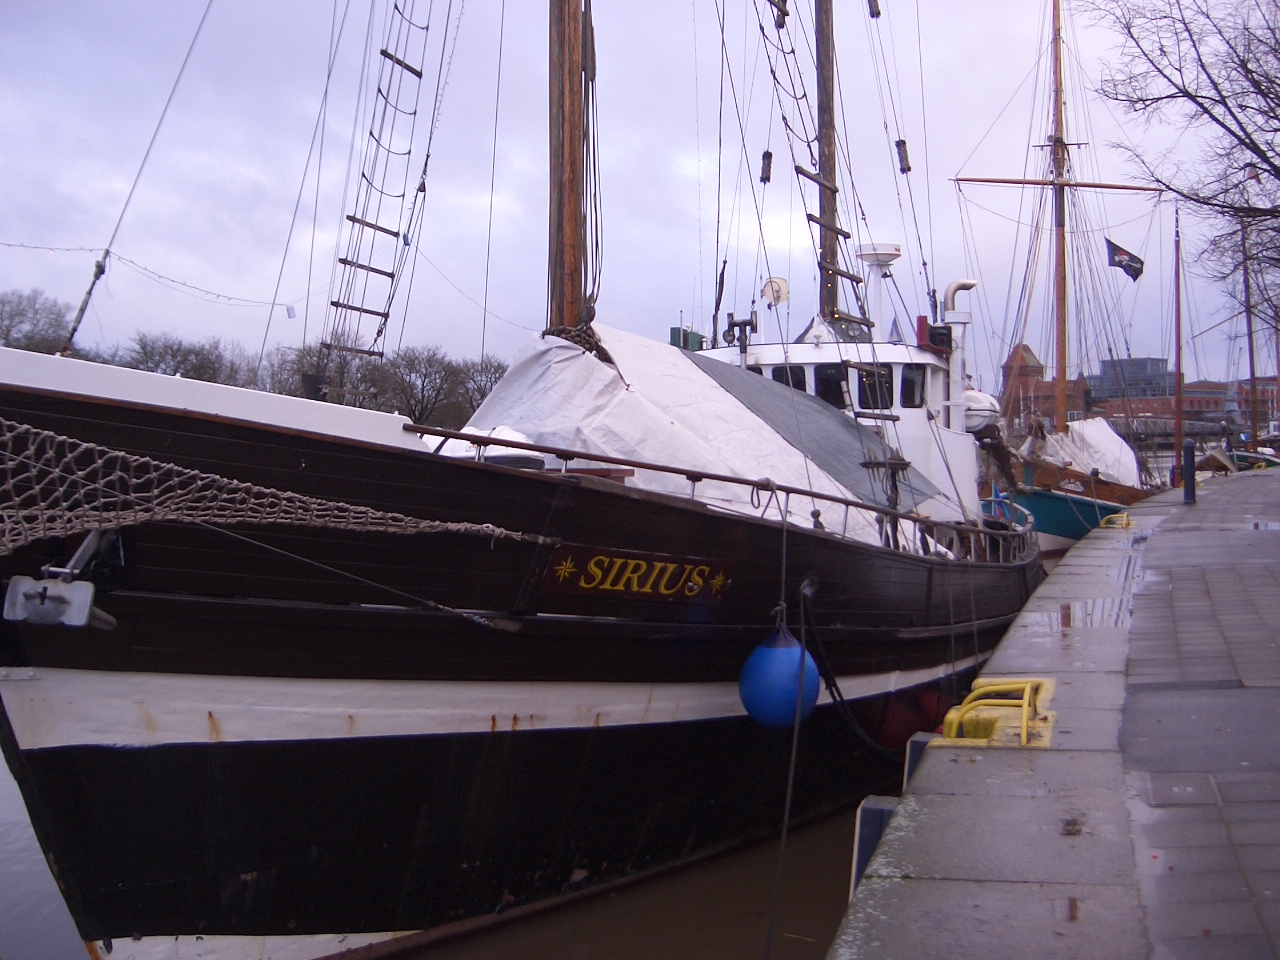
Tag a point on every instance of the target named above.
point(1101, 612)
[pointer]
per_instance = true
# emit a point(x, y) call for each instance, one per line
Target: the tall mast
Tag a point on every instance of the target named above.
point(1059, 183)
point(1177, 343)
point(1059, 154)
point(566, 249)
point(828, 240)
point(1248, 328)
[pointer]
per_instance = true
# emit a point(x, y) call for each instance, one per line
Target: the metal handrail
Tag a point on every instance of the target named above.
point(694, 476)
point(1028, 521)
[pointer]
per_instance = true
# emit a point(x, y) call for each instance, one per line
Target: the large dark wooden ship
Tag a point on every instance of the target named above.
point(310, 729)
point(275, 672)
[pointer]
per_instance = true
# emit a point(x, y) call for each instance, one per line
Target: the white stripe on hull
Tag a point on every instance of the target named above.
point(50, 707)
point(235, 948)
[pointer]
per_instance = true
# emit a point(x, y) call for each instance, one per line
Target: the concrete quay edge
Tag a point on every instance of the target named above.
point(1026, 852)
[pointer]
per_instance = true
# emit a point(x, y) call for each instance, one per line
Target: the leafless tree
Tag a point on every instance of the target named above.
point(417, 380)
point(479, 377)
point(1211, 67)
point(33, 321)
point(422, 383)
point(211, 359)
point(350, 376)
point(279, 372)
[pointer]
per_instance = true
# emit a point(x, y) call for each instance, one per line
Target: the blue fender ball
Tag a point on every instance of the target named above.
point(767, 684)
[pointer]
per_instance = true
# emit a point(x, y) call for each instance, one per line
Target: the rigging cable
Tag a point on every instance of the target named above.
point(719, 178)
point(781, 611)
point(350, 292)
point(37, 246)
point(592, 210)
point(315, 133)
point(699, 298)
point(930, 290)
point(417, 249)
point(800, 128)
point(191, 289)
point(493, 173)
point(417, 207)
point(880, 62)
point(315, 203)
point(357, 118)
point(100, 267)
point(1009, 324)
point(408, 224)
point(924, 134)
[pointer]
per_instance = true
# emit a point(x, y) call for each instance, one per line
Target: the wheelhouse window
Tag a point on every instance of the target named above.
point(755, 369)
point(792, 376)
point(913, 379)
point(830, 383)
point(875, 386)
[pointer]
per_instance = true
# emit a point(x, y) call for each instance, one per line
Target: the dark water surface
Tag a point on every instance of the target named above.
point(716, 910)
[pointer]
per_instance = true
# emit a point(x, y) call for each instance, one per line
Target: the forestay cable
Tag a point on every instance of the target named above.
point(100, 267)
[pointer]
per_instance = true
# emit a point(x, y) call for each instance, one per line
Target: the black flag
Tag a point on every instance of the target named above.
point(1126, 261)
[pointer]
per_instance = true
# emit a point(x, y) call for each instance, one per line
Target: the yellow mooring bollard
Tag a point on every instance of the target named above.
point(983, 714)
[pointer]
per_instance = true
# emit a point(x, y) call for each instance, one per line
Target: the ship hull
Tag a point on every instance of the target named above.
point(1068, 503)
point(237, 835)
point(296, 735)
point(1062, 518)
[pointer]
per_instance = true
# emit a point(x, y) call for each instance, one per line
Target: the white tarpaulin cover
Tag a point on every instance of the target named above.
point(654, 405)
point(1088, 444)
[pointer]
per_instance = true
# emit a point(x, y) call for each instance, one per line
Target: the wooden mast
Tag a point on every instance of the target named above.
point(1177, 349)
point(566, 247)
point(1059, 153)
point(828, 238)
point(1060, 184)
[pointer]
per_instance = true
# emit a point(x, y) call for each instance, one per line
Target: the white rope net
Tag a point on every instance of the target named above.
point(53, 486)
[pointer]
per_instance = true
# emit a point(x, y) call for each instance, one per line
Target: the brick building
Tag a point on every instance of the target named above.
point(1024, 391)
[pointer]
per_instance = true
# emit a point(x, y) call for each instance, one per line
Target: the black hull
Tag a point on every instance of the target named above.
point(410, 833)
point(284, 589)
point(342, 833)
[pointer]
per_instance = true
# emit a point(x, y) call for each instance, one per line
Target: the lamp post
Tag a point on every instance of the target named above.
point(1248, 326)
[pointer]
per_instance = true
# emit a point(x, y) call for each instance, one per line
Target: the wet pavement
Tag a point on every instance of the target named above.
point(1151, 826)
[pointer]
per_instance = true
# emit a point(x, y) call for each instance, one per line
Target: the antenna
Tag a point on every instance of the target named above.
point(775, 291)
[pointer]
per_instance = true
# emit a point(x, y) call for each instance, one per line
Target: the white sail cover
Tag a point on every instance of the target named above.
point(656, 406)
point(1088, 445)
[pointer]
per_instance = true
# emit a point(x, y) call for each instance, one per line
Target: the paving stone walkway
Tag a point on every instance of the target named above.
point(1201, 733)
point(1151, 827)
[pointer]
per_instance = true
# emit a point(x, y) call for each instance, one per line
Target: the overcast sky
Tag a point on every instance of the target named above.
point(82, 85)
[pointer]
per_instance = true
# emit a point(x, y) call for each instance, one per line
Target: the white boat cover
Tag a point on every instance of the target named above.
point(1089, 444)
point(655, 405)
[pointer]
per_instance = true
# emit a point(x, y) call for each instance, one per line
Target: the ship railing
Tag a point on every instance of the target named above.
point(991, 540)
point(1005, 509)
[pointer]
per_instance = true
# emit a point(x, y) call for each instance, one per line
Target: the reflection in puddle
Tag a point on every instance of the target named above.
point(1102, 612)
point(1130, 568)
